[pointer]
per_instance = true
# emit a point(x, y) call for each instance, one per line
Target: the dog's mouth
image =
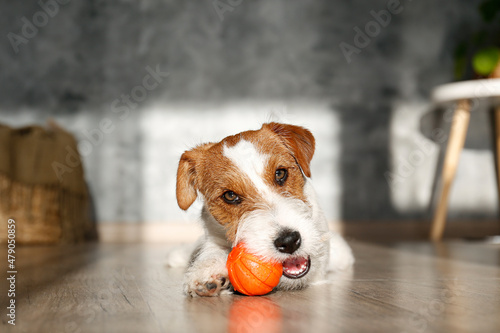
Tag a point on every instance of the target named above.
point(296, 267)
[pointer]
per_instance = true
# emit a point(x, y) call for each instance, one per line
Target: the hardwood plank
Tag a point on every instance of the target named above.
point(404, 287)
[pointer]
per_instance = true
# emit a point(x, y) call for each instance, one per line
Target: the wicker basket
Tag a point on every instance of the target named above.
point(42, 187)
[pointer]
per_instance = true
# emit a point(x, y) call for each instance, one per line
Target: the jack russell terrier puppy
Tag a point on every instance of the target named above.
point(257, 189)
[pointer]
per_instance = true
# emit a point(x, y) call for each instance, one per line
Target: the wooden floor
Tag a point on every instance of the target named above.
point(454, 287)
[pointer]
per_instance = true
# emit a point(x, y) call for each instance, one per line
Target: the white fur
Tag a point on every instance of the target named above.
point(250, 162)
point(209, 265)
point(258, 229)
point(261, 227)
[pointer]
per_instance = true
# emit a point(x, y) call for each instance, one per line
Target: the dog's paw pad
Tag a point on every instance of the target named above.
point(213, 287)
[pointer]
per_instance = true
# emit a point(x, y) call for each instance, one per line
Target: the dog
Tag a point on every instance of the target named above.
point(256, 188)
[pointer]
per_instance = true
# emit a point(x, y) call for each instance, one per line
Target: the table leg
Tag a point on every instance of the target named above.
point(496, 144)
point(496, 131)
point(455, 145)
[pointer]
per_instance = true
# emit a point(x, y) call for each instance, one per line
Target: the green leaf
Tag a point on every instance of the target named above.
point(485, 60)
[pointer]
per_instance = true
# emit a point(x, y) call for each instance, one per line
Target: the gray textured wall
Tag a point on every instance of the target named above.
point(229, 68)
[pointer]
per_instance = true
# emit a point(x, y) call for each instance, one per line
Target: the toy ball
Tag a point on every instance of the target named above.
point(250, 274)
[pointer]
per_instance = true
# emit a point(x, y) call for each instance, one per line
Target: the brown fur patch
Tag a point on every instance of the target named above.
point(298, 140)
point(207, 170)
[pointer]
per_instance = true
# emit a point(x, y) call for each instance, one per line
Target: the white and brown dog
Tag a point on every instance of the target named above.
point(256, 188)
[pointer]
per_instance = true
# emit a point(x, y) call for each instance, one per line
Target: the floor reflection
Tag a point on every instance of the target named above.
point(235, 314)
point(255, 314)
point(281, 311)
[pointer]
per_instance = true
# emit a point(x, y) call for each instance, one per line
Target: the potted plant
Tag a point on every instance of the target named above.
point(475, 58)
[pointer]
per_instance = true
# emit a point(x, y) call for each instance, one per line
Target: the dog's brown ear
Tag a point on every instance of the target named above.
point(187, 184)
point(298, 140)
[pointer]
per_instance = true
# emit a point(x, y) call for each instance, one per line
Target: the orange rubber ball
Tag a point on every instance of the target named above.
point(249, 274)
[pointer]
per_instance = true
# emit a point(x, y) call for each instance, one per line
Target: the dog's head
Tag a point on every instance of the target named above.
point(255, 185)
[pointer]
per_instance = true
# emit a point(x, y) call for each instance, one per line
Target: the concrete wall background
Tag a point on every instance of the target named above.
point(262, 59)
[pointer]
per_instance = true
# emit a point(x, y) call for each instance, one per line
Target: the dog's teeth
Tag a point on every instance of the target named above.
point(297, 269)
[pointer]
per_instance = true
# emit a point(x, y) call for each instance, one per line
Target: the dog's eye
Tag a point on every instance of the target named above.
point(231, 198)
point(281, 175)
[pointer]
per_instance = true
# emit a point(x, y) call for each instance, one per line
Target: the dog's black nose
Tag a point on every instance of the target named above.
point(288, 241)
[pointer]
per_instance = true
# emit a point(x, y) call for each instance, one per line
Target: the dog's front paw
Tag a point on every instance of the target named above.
point(214, 285)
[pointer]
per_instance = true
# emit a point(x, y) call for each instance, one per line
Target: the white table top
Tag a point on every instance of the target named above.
point(473, 89)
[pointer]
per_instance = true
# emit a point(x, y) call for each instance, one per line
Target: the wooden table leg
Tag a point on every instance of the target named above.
point(496, 132)
point(436, 184)
point(455, 145)
point(496, 144)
